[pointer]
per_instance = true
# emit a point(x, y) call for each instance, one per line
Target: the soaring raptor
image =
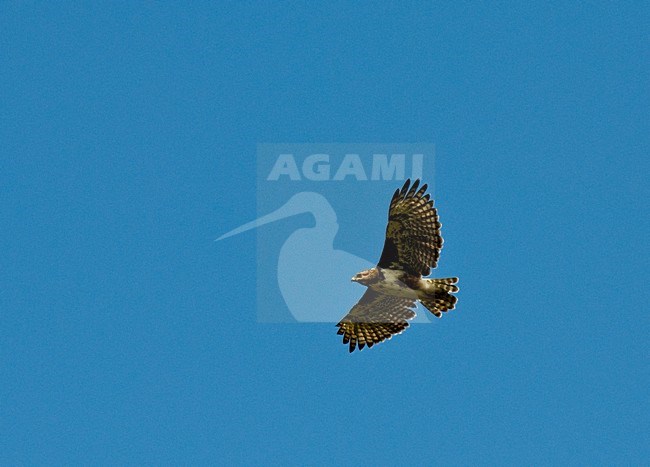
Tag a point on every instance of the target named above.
point(412, 247)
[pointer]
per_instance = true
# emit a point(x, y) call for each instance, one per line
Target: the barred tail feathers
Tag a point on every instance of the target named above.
point(438, 297)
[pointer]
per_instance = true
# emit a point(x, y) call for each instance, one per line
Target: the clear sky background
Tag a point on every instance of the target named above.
point(127, 139)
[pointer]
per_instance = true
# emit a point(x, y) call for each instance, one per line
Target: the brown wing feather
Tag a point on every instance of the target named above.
point(413, 239)
point(375, 318)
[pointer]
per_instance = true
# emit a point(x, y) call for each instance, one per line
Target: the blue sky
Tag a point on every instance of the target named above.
point(128, 138)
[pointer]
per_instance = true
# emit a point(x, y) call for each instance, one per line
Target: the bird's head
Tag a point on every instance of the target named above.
point(365, 277)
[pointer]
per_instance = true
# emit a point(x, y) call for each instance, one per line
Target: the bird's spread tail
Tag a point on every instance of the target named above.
point(439, 298)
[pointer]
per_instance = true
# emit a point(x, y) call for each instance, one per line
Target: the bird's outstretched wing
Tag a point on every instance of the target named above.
point(413, 239)
point(375, 318)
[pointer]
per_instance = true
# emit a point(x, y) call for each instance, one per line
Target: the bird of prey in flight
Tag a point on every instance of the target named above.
point(412, 246)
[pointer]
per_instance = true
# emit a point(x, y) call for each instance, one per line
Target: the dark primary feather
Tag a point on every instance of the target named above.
point(375, 318)
point(413, 239)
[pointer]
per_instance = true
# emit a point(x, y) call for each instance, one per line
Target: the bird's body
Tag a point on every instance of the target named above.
point(412, 248)
point(402, 284)
point(397, 283)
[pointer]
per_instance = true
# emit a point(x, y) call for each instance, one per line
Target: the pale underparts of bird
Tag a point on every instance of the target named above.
point(412, 247)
